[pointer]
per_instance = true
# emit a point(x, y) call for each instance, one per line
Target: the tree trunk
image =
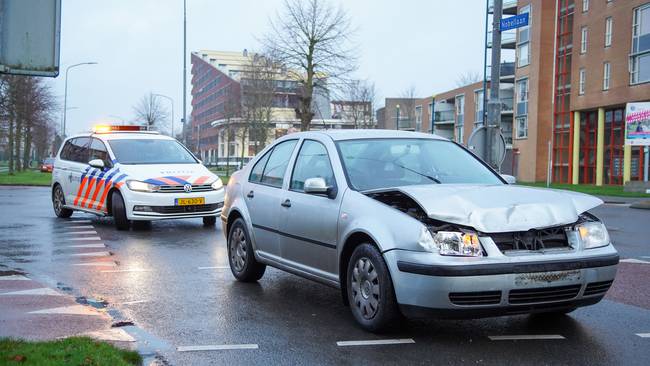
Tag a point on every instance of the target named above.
point(27, 149)
point(243, 144)
point(10, 145)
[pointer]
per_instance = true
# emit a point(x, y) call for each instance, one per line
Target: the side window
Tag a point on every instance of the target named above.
point(312, 162)
point(98, 151)
point(277, 163)
point(67, 150)
point(258, 169)
point(79, 151)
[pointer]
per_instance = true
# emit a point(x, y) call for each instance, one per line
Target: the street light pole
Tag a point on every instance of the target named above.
point(65, 95)
point(172, 102)
point(184, 70)
point(397, 119)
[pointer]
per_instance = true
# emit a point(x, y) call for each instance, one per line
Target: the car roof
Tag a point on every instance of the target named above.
point(124, 136)
point(338, 135)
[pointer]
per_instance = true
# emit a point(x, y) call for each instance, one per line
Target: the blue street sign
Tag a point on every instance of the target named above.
point(517, 21)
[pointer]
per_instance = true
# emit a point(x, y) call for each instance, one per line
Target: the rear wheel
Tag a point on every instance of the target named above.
point(242, 260)
point(58, 201)
point(209, 220)
point(119, 212)
point(370, 289)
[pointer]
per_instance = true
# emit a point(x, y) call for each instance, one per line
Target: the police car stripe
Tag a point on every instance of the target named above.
point(91, 183)
point(201, 180)
point(155, 181)
point(178, 180)
point(84, 179)
point(116, 183)
point(98, 186)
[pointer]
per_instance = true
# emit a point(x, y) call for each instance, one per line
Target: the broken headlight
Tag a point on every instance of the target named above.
point(593, 234)
point(453, 243)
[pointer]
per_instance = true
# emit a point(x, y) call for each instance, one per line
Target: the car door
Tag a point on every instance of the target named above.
point(262, 194)
point(61, 171)
point(96, 187)
point(78, 170)
point(308, 222)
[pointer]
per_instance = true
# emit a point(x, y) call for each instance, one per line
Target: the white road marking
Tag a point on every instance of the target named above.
point(91, 238)
point(633, 260)
point(131, 302)
point(111, 335)
point(375, 342)
point(216, 347)
point(91, 254)
point(35, 291)
point(104, 264)
point(645, 256)
point(125, 270)
point(93, 232)
point(643, 335)
point(100, 245)
point(69, 310)
point(525, 337)
point(74, 222)
point(79, 227)
point(215, 267)
point(14, 278)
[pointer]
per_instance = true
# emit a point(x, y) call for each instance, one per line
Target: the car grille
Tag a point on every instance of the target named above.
point(543, 294)
point(475, 298)
point(597, 288)
point(532, 240)
point(181, 188)
point(186, 209)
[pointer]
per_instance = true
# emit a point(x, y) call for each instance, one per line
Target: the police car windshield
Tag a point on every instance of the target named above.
point(150, 151)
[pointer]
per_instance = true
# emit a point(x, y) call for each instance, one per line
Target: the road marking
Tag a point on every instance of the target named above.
point(111, 335)
point(69, 310)
point(100, 245)
point(74, 222)
point(14, 278)
point(35, 291)
point(104, 264)
point(525, 337)
point(645, 256)
point(91, 238)
point(79, 227)
point(91, 254)
point(216, 347)
point(131, 302)
point(215, 267)
point(93, 232)
point(375, 342)
point(643, 335)
point(125, 270)
point(633, 260)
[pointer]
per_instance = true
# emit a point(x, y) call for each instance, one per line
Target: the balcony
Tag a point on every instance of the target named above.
point(509, 7)
point(443, 117)
point(507, 72)
point(406, 124)
point(508, 39)
point(507, 105)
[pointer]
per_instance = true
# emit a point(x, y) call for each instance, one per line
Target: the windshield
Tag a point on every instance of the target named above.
point(384, 163)
point(150, 151)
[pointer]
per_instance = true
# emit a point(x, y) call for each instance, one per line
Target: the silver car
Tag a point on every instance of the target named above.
point(413, 224)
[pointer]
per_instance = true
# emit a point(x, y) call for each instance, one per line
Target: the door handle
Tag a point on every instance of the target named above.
point(286, 203)
point(250, 194)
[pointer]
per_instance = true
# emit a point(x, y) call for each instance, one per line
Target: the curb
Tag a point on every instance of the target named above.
point(642, 205)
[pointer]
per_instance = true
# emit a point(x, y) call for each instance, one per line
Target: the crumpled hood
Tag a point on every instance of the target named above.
point(500, 208)
point(169, 174)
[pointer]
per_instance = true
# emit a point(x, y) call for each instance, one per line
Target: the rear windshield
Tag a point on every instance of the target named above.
point(150, 151)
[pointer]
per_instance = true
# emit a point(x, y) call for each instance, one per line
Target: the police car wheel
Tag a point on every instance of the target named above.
point(243, 264)
point(209, 220)
point(58, 201)
point(119, 212)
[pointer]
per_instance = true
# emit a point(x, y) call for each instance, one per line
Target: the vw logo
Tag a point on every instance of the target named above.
point(187, 188)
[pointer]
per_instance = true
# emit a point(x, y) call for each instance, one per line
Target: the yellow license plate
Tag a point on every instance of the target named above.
point(189, 201)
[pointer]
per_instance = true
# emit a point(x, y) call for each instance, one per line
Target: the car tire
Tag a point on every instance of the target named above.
point(209, 220)
point(241, 258)
point(58, 201)
point(370, 289)
point(119, 212)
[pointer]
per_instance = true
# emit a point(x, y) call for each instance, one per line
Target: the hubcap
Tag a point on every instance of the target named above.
point(58, 200)
point(238, 253)
point(365, 288)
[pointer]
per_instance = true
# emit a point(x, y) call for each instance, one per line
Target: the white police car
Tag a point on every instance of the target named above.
point(133, 175)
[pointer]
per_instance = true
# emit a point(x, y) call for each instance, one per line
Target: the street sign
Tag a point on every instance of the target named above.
point(517, 21)
point(637, 124)
point(477, 144)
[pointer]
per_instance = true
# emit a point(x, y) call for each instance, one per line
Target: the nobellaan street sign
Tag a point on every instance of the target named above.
point(517, 21)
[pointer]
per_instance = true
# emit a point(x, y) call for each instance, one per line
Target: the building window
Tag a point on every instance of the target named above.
point(581, 82)
point(522, 127)
point(478, 106)
point(585, 6)
point(523, 40)
point(460, 118)
point(521, 98)
point(418, 118)
point(606, 75)
point(608, 31)
point(583, 39)
point(640, 55)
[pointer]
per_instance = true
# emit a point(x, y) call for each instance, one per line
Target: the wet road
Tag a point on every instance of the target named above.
point(173, 282)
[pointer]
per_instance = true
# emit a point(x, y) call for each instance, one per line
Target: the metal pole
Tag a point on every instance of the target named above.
point(184, 70)
point(487, 11)
point(172, 102)
point(494, 104)
point(65, 93)
point(433, 113)
point(397, 120)
point(646, 162)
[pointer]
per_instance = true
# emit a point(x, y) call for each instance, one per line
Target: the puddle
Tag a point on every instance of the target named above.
point(63, 287)
point(96, 303)
point(11, 273)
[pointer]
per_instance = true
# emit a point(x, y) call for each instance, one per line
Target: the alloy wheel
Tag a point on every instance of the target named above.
point(58, 200)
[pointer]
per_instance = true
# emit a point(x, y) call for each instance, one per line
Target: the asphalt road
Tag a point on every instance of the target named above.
point(172, 280)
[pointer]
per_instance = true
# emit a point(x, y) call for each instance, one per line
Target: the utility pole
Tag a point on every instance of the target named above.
point(433, 113)
point(494, 104)
point(184, 70)
point(397, 119)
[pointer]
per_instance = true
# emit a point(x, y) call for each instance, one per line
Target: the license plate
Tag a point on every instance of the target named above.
point(189, 201)
point(546, 277)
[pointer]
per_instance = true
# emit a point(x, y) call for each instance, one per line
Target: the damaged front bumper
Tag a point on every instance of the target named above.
point(428, 284)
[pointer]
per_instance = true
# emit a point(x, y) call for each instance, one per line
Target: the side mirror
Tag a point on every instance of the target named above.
point(97, 163)
point(509, 178)
point(316, 186)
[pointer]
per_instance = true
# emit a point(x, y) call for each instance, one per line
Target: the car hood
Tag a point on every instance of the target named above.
point(500, 208)
point(169, 174)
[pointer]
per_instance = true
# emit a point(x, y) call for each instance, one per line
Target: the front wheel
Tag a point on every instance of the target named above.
point(119, 212)
point(370, 289)
point(58, 203)
point(242, 260)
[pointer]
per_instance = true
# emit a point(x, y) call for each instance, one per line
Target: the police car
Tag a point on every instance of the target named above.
point(133, 175)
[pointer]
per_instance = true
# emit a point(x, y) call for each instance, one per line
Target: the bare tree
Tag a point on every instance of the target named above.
point(407, 104)
point(312, 40)
point(151, 111)
point(232, 118)
point(259, 80)
point(467, 78)
point(360, 99)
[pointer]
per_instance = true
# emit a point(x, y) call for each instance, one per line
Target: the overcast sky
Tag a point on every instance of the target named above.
point(138, 45)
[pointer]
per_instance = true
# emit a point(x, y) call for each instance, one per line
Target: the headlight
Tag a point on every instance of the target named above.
point(136, 185)
point(452, 243)
point(217, 184)
point(593, 234)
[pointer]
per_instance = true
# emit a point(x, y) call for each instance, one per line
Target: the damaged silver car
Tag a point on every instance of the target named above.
point(413, 224)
